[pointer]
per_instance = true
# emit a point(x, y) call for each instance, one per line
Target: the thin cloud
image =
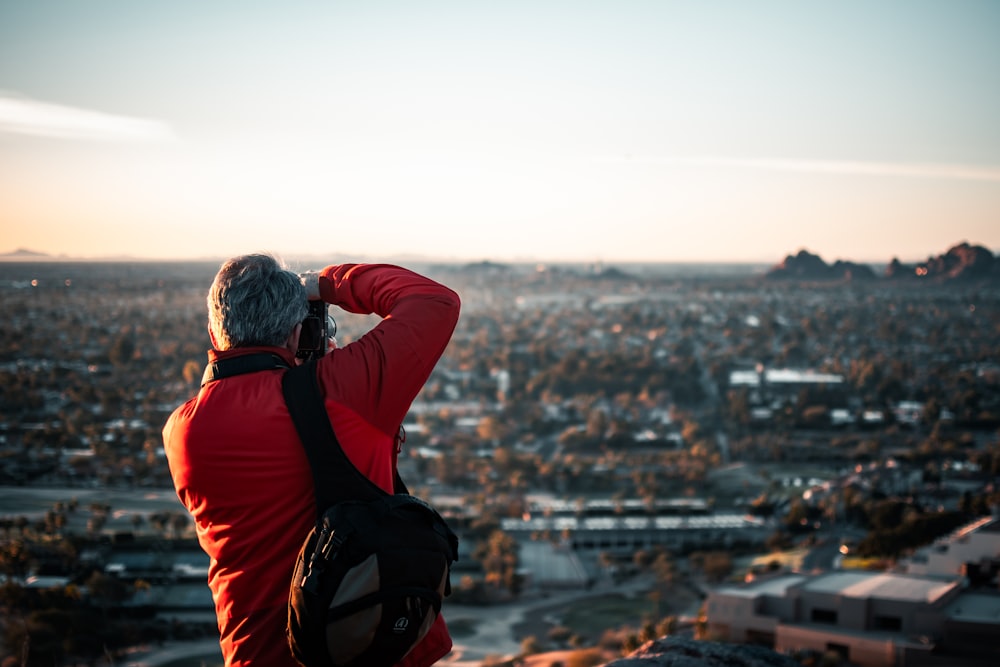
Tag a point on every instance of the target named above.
point(20, 115)
point(917, 170)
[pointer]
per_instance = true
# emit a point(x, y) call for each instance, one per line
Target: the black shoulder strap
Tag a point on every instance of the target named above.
point(335, 478)
point(247, 363)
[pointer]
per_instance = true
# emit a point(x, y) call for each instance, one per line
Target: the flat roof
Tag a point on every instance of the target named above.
point(776, 585)
point(784, 376)
point(697, 522)
point(990, 526)
point(572, 506)
point(883, 585)
point(975, 608)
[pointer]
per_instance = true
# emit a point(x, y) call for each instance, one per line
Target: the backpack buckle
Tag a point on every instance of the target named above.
point(328, 544)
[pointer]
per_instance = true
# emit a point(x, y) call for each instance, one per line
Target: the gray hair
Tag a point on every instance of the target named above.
point(254, 300)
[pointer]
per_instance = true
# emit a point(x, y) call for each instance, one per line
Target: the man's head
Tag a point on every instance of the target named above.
point(254, 300)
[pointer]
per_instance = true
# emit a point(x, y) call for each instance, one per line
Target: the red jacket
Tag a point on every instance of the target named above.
point(240, 470)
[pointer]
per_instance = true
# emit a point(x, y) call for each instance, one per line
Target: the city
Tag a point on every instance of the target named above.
point(697, 436)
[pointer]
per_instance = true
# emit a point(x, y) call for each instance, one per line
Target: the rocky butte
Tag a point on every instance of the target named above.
point(963, 262)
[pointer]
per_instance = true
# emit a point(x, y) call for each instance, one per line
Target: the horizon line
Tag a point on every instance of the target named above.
point(28, 255)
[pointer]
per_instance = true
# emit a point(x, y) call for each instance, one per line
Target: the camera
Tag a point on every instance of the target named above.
point(317, 328)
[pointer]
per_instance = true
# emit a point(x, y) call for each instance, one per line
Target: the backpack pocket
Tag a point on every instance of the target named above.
point(369, 582)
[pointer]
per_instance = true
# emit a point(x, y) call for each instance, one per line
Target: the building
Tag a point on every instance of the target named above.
point(782, 378)
point(972, 551)
point(873, 619)
point(624, 535)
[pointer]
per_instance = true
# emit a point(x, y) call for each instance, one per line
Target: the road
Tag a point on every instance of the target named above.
point(494, 625)
point(206, 649)
point(493, 630)
point(824, 556)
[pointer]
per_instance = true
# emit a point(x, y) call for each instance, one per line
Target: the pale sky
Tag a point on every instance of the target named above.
point(618, 130)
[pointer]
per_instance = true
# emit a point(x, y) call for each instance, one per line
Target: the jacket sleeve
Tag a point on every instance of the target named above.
point(380, 374)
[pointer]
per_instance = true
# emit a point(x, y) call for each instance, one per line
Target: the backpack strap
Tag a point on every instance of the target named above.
point(247, 363)
point(335, 478)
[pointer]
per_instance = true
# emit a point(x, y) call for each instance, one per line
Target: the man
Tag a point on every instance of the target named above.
point(236, 460)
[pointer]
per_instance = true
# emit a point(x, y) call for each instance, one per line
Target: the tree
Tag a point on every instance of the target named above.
point(531, 646)
point(630, 643)
point(597, 423)
point(667, 626)
point(798, 514)
point(717, 566)
point(663, 567)
point(560, 634)
point(123, 349)
point(106, 590)
point(778, 541)
point(499, 558)
point(15, 559)
point(179, 522)
point(607, 562)
point(491, 429)
point(192, 372)
point(35, 640)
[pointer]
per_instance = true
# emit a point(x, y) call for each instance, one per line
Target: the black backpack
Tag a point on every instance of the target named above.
point(371, 575)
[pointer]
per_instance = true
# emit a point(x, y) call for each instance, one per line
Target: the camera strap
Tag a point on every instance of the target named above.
point(247, 363)
point(334, 476)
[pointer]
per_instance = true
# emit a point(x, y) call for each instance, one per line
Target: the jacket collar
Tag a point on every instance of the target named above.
point(226, 363)
point(216, 355)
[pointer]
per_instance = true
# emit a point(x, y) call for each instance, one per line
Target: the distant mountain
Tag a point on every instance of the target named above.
point(961, 262)
point(611, 273)
point(807, 267)
point(24, 253)
point(485, 265)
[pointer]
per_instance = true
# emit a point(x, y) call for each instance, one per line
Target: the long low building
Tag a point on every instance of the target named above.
point(627, 534)
point(973, 547)
point(872, 619)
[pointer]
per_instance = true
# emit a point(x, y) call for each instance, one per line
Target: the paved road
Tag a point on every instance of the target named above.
point(494, 625)
point(206, 649)
point(493, 636)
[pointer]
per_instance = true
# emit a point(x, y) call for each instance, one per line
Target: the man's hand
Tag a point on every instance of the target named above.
point(310, 280)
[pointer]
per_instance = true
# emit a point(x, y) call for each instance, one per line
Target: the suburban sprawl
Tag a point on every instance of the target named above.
point(802, 456)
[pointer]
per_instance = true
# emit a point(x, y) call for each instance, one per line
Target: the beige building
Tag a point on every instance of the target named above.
point(873, 619)
point(975, 547)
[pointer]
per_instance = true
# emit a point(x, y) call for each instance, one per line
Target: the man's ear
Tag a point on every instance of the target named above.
point(292, 342)
point(211, 335)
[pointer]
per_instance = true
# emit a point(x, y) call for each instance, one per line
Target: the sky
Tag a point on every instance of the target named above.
point(538, 130)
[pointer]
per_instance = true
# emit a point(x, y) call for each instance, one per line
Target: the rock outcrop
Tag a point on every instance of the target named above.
point(961, 262)
point(680, 652)
point(808, 267)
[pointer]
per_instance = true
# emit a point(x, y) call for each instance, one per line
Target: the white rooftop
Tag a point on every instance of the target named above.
point(697, 522)
point(881, 585)
point(784, 376)
point(777, 586)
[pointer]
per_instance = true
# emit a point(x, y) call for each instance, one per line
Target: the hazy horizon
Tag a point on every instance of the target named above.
point(27, 255)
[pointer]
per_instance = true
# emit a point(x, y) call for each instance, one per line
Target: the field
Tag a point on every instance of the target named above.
point(591, 617)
